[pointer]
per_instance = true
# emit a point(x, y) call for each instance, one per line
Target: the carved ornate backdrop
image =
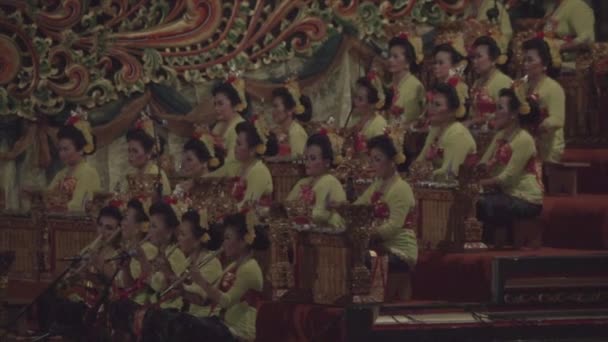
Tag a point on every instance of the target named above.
point(61, 53)
point(115, 57)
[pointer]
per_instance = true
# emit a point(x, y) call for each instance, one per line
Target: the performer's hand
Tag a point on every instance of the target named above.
point(481, 169)
point(98, 261)
point(543, 127)
point(489, 184)
point(333, 204)
point(197, 277)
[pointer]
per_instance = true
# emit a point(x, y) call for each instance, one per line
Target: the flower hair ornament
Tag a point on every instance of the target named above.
point(396, 138)
point(294, 90)
point(78, 119)
point(502, 44)
point(174, 203)
point(336, 141)
point(207, 139)
point(556, 57)
point(519, 88)
point(145, 123)
point(118, 204)
point(204, 224)
point(250, 222)
point(263, 132)
point(456, 41)
point(416, 42)
point(238, 84)
point(461, 111)
point(376, 82)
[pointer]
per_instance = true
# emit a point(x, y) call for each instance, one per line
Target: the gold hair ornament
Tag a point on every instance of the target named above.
point(519, 88)
point(417, 44)
point(238, 84)
point(250, 221)
point(263, 131)
point(396, 137)
point(206, 138)
point(376, 82)
point(294, 90)
point(203, 222)
point(78, 119)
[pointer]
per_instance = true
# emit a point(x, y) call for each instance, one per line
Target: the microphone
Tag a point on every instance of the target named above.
point(157, 120)
point(74, 258)
point(122, 256)
point(493, 13)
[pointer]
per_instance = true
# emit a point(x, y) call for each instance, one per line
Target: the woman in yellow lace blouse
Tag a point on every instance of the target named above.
point(155, 264)
point(199, 156)
point(320, 188)
point(405, 54)
point(142, 151)
point(237, 294)
point(449, 143)
point(511, 161)
point(252, 179)
point(134, 228)
point(290, 108)
point(572, 21)
point(539, 62)
point(78, 180)
point(68, 309)
point(194, 240)
point(393, 201)
point(494, 12)
point(229, 103)
point(131, 293)
point(368, 100)
point(484, 93)
point(449, 63)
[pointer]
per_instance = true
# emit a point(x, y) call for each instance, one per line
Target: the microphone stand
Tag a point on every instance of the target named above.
point(91, 314)
point(49, 288)
point(350, 114)
point(159, 180)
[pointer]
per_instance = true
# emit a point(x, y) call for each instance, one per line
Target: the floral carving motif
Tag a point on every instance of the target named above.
point(74, 52)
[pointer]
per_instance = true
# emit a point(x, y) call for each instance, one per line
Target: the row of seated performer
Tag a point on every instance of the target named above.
point(569, 24)
point(154, 278)
point(152, 250)
point(238, 148)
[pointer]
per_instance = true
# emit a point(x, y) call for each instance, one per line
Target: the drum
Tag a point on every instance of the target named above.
point(436, 213)
point(285, 175)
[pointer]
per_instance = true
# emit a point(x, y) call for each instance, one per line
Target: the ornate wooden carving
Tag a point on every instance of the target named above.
point(214, 195)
